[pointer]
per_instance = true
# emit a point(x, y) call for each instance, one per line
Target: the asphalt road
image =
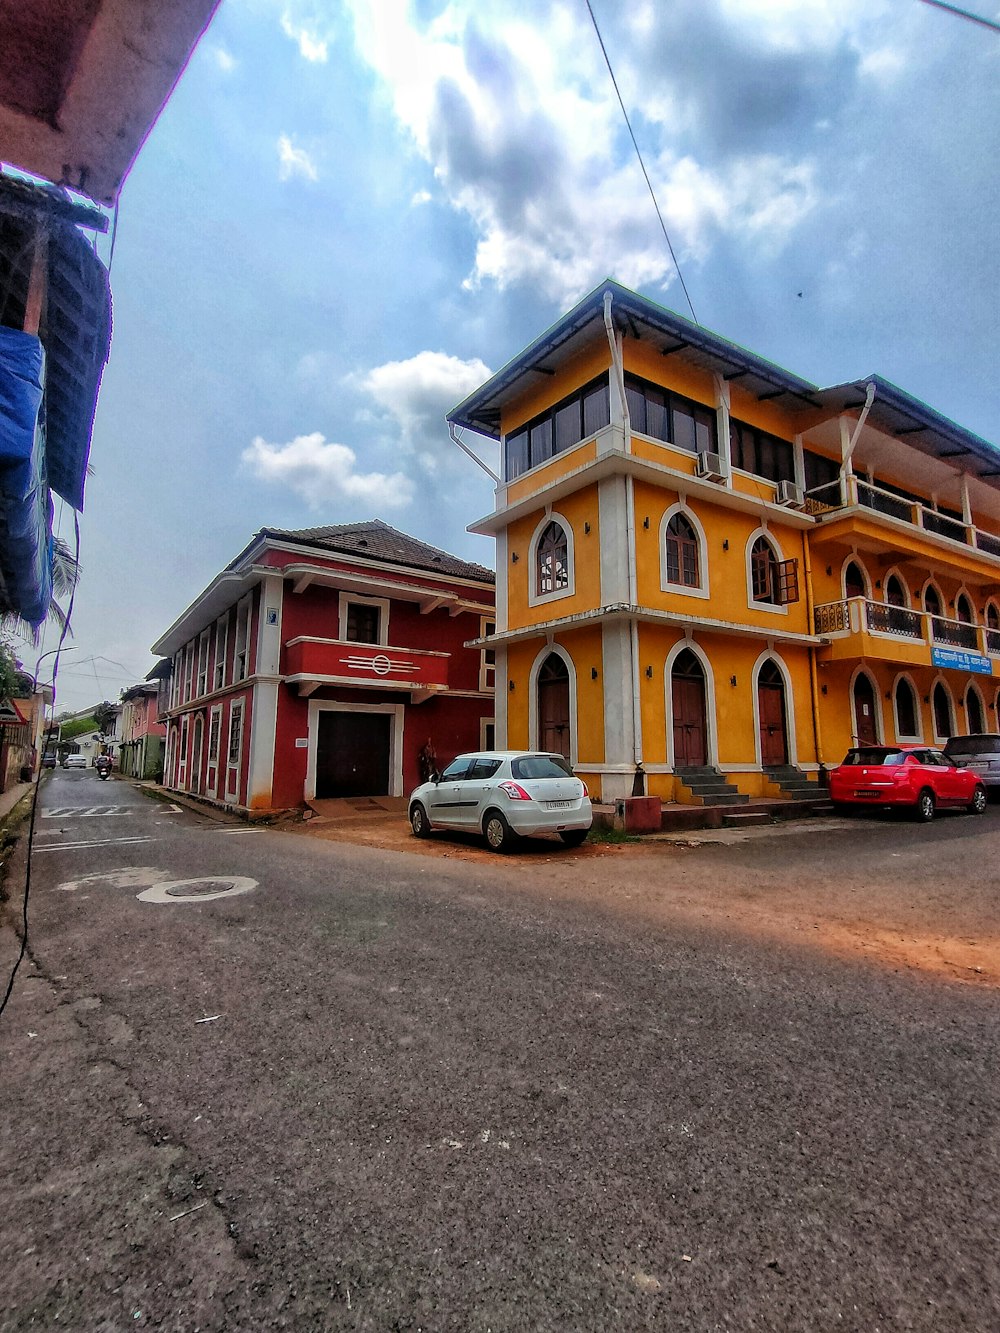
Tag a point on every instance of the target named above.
point(372, 1090)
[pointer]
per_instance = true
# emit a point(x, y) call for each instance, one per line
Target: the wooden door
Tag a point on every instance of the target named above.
point(864, 712)
point(553, 706)
point(687, 702)
point(942, 711)
point(197, 746)
point(771, 711)
point(352, 754)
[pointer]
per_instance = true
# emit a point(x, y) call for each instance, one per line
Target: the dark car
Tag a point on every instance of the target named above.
point(980, 752)
point(913, 776)
point(49, 760)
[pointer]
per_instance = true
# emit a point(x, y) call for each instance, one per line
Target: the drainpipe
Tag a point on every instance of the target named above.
point(633, 593)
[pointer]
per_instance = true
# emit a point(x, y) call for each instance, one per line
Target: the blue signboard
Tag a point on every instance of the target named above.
point(956, 659)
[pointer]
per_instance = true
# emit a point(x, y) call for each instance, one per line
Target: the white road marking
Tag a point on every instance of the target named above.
point(96, 842)
point(156, 886)
point(228, 832)
point(86, 811)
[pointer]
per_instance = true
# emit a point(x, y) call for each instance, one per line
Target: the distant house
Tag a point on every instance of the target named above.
point(321, 663)
point(140, 733)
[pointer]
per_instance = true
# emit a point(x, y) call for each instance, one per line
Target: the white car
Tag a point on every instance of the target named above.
point(504, 794)
point(75, 761)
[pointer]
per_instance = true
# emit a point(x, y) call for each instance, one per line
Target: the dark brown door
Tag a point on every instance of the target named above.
point(864, 711)
point(687, 700)
point(352, 754)
point(196, 755)
point(942, 711)
point(553, 706)
point(771, 709)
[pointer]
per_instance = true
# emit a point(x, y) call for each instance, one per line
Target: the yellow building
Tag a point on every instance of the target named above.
point(712, 576)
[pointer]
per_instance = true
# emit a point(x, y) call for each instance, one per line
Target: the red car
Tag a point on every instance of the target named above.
point(906, 775)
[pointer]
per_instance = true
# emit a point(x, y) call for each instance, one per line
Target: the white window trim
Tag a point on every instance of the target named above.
point(395, 711)
point(213, 764)
point(854, 559)
point(907, 594)
point(901, 736)
point(222, 624)
point(348, 599)
point(964, 592)
point(238, 706)
point(246, 602)
point(991, 601)
point(486, 667)
point(772, 608)
point(182, 764)
point(711, 736)
point(940, 680)
point(541, 599)
point(533, 740)
point(942, 601)
point(768, 655)
point(683, 589)
point(204, 642)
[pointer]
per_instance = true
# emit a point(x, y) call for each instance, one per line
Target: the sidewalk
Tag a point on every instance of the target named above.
point(11, 796)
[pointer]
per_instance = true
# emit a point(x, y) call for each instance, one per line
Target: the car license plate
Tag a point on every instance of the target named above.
point(867, 793)
point(558, 805)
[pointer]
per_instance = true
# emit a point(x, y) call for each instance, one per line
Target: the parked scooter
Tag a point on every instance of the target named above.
point(103, 766)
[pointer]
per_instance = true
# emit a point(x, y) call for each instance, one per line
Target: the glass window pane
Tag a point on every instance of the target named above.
point(517, 454)
point(541, 441)
point(705, 432)
point(568, 430)
point(656, 414)
point(683, 428)
point(596, 410)
point(636, 407)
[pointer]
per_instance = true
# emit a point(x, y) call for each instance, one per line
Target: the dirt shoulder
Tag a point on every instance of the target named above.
point(903, 897)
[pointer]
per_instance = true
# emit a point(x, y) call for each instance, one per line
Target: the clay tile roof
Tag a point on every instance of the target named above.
point(376, 540)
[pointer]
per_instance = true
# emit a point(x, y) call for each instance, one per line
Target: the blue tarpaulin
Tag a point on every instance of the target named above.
point(25, 508)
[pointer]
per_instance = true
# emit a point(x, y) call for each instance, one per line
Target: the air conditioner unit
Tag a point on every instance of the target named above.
point(790, 494)
point(710, 467)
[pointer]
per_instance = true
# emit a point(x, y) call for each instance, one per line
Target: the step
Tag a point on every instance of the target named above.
point(747, 819)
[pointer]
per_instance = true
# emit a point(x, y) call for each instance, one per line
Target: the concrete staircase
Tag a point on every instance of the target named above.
point(709, 787)
point(794, 784)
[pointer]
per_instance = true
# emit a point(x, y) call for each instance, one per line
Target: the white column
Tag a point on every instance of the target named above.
point(264, 702)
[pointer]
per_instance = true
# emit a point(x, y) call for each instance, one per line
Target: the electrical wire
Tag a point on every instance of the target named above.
point(649, 183)
point(965, 14)
point(38, 783)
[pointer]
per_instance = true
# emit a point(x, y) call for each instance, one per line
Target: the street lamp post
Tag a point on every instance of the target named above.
point(34, 687)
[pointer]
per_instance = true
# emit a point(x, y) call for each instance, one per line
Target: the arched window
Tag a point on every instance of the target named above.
point(763, 572)
point(681, 551)
point(944, 725)
point(552, 560)
point(907, 712)
point(992, 628)
point(963, 610)
point(975, 714)
point(895, 593)
point(855, 584)
point(932, 600)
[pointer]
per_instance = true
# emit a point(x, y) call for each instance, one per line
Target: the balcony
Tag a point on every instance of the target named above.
point(850, 497)
point(858, 627)
point(313, 662)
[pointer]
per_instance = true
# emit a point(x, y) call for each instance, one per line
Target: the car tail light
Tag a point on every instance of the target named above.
point(515, 791)
point(586, 791)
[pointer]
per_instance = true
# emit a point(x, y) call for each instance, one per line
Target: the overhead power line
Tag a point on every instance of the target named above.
point(965, 14)
point(649, 183)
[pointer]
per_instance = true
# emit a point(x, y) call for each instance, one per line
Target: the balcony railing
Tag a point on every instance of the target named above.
point(844, 492)
point(851, 615)
point(366, 663)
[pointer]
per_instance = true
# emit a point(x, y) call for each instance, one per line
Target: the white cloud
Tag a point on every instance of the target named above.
point(312, 47)
point(521, 127)
point(421, 197)
point(322, 472)
point(415, 394)
point(224, 59)
point(294, 161)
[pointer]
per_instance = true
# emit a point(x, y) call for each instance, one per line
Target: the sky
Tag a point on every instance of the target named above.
point(349, 214)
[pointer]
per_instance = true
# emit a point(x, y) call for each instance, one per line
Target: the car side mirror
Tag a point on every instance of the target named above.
point(435, 777)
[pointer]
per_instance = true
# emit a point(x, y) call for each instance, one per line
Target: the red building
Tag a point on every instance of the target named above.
point(321, 662)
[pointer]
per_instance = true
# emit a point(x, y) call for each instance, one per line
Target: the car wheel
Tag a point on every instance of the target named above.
point(499, 835)
point(419, 822)
point(978, 803)
point(573, 836)
point(925, 806)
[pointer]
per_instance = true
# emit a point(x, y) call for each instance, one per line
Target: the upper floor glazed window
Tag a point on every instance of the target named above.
point(681, 551)
point(574, 419)
point(762, 454)
point(552, 560)
point(667, 416)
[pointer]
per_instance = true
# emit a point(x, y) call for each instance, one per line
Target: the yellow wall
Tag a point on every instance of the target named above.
point(584, 648)
point(578, 509)
point(547, 473)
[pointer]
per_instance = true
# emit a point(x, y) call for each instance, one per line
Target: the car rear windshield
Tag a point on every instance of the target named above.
point(875, 757)
point(973, 745)
point(533, 766)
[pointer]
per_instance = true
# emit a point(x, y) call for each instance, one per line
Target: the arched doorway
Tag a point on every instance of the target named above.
point(975, 714)
point(855, 584)
point(688, 711)
point(553, 706)
point(865, 717)
point(771, 711)
point(194, 784)
point(943, 725)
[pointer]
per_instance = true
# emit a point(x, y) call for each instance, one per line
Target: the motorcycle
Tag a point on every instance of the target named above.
point(103, 767)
